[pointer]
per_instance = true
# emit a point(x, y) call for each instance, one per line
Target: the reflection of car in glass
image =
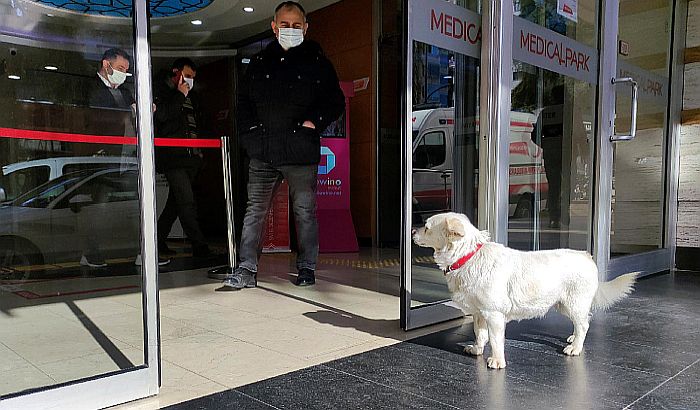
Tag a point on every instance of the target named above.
point(433, 141)
point(21, 177)
point(53, 222)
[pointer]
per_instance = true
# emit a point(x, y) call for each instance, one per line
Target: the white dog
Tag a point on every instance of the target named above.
point(497, 284)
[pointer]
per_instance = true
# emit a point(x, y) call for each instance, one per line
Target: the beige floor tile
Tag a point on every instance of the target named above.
point(23, 378)
point(172, 395)
point(294, 339)
point(10, 360)
point(349, 325)
point(226, 360)
point(58, 339)
point(175, 376)
point(209, 316)
point(90, 365)
point(263, 303)
point(26, 316)
point(96, 307)
point(323, 292)
point(129, 329)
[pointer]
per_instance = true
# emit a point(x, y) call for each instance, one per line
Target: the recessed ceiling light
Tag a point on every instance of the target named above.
point(51, 67)
point(49, 14)
point(196, 22)
point(248, 9)
point(245, 60)
point(13, 77)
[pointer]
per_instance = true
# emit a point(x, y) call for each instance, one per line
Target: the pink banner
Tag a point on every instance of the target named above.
point(336, 229)
point(276, 230)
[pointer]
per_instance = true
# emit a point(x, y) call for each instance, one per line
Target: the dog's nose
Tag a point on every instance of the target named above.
point(413, 232)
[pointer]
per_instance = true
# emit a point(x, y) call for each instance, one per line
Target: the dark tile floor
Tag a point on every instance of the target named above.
point(641, 354)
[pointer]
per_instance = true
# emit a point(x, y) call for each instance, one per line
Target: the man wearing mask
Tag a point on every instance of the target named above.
point(107, 92)
point(291, 95)
point(177, 116)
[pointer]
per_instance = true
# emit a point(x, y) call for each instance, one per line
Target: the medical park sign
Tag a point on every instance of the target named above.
point(544, 48)
point(448, 26)
point(445, 25)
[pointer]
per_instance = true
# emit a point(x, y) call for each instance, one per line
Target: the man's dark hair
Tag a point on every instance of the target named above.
point(113, 53)
point(181, 62)
point(289, 5)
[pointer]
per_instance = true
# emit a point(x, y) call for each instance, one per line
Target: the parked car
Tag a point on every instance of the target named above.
point(21, 177)
point(433, 142)
point(53, 222)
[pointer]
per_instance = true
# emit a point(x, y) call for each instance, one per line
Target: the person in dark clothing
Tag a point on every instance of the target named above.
point(177, 116)
point(291, 95)
point(104, 92)
point(107, 93)
point(550, 124)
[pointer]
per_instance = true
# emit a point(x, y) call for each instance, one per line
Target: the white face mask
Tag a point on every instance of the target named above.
point(189, 81)
point(290, 37)
point(117, 77)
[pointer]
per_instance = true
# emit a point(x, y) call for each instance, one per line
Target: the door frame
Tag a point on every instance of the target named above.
point(664, 258)
point(105, 390)
point(493, 193)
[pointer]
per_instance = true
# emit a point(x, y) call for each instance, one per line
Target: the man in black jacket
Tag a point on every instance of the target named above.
point(290, 96)
point(177, 116)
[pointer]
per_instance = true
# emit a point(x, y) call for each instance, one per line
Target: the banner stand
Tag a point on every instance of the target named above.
point(221, 272)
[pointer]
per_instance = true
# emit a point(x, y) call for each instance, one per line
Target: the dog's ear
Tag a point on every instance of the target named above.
point(455, 227)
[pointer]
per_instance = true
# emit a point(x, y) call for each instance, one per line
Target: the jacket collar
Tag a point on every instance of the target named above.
point(463, 260)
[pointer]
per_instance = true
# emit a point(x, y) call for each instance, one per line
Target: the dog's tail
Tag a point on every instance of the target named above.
point(611, 292)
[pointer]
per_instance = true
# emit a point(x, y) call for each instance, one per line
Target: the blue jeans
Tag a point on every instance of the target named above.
point(263, 181)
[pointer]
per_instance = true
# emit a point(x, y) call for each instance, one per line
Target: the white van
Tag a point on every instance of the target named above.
point(433, 141)
point(22, 177)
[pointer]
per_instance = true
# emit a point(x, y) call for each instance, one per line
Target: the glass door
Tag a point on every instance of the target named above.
point(552, 115)
point(641, 138)
point(78, 316)
point(440, 145)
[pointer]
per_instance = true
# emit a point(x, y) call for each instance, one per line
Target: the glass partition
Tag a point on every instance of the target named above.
point(442, 133)
point(551, 141)
point(70, 232)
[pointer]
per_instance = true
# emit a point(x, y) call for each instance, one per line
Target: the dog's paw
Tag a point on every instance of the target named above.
point(496, 363)
point(474, 350)
point(571, 339)
point(570, 350)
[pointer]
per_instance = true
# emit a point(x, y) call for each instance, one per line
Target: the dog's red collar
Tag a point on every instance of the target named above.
point(463, 260)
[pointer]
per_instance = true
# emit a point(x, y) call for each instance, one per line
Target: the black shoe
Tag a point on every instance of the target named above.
point(239, 279)
point(164, 250)
point(305, 277)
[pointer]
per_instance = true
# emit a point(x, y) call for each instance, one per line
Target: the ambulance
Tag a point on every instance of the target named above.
point(433, 144)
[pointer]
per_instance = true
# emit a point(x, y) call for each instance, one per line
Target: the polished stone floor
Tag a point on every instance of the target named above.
point(641, 354)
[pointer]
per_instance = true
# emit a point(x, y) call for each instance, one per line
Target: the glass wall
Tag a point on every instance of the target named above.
point(70, 232)
point(445, 95)
point(553, 103)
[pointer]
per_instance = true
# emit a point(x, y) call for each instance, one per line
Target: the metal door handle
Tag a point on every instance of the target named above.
point(633, 120)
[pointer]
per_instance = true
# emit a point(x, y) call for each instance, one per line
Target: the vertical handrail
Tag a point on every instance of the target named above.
point(633, 119)
point(228, 195)
point(222, 271)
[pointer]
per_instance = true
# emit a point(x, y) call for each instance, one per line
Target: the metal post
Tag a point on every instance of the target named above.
point(221, 272)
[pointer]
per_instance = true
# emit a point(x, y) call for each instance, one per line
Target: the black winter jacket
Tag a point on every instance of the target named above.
point(282, 89)
point(170, 122)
